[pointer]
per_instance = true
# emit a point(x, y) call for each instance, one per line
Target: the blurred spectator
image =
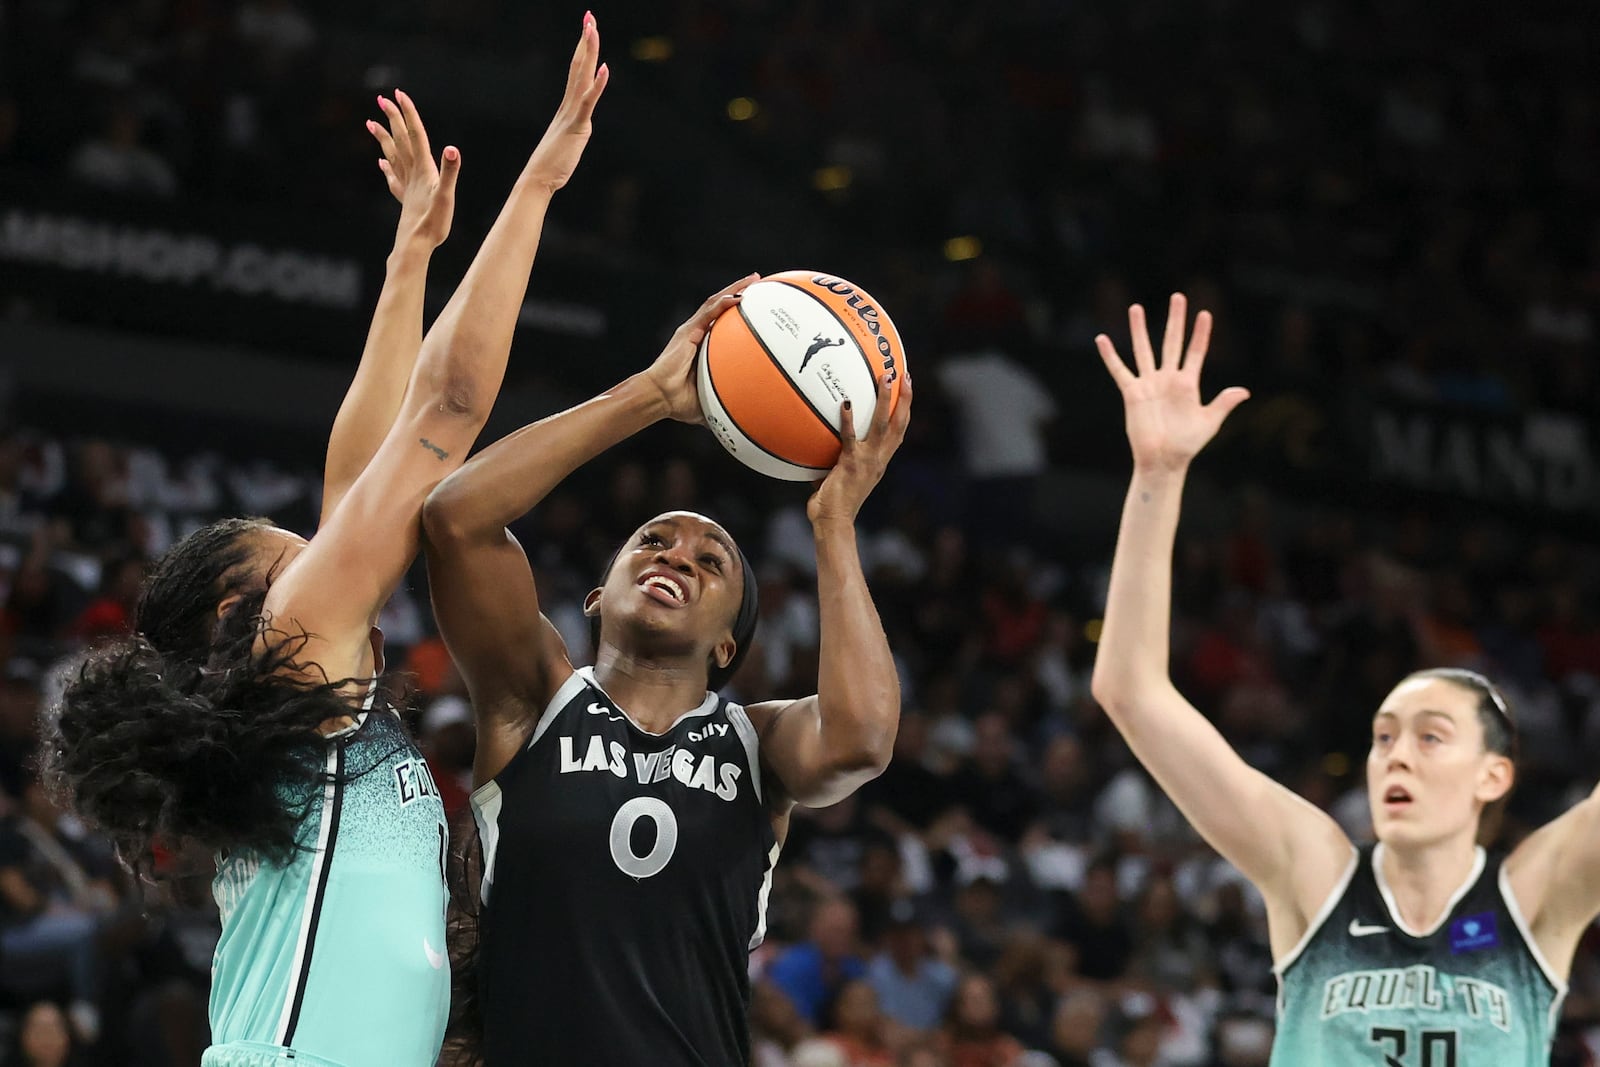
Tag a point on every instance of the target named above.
point(448, 738)
point(908, 795)
point(1002, 409)
point(972, 1034)
point(44, 1038)
point(913, 986)
point(776, 1026)
point(814, 971)
point(858, 1027)
point(1094, 923)
point(116, 160)
point(1000, 801)
point(1075, 1028)
point(54, 900)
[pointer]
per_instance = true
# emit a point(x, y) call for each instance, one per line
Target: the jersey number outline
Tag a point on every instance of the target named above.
point(1441, 1041)
point(653, 862)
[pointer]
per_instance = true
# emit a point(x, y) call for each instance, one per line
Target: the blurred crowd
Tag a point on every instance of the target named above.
point(1371, 200)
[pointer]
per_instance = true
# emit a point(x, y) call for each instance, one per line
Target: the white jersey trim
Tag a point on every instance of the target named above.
point(1479, 858)
point(485, 802)
point(308, 908)
point(752, 744)
point(761, 897)
point(706, 707)
point(1515, 909)
point(1321, 917)
point(569, 689)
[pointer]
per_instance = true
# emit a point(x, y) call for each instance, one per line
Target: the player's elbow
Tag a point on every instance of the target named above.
point(1105, 685)
point(1114, 686)
point(866, 752)
point(446, 513)
point(452, 389)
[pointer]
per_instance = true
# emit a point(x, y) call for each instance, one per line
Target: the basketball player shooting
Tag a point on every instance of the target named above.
point(1420, 951)
point(630, 817)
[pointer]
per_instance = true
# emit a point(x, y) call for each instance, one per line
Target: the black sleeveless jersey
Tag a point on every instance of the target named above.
point(625, 883)
point(1361, 988)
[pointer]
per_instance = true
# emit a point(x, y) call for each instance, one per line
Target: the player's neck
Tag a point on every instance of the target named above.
point(1423, 878)
point(655, 692)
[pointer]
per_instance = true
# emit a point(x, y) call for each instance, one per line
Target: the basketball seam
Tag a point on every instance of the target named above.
point(711, 380)
point(801, 393)
point(845, 326)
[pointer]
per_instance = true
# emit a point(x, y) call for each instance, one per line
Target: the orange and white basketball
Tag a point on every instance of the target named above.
point(775, 367)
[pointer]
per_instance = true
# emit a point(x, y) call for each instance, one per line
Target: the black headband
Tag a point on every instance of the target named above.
point(744, 625)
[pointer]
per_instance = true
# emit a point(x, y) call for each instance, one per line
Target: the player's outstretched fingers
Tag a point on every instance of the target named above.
point(1172, 336)
point(414, 128)
point(1114, 363)
point(400, 137)
point(1199, 344)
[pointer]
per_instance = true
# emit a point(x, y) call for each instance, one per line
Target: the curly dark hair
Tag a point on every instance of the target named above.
point(463, 1037)
point(184, 731)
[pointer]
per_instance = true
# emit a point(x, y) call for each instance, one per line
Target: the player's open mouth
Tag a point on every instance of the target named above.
point(1396, 797)
point(664, 588)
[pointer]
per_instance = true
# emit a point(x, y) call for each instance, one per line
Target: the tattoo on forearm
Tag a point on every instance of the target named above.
point(435, 449)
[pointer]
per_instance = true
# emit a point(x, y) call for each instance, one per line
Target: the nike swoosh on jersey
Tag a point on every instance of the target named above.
point(436, 958)
point(601, 709)
point(1359, 930)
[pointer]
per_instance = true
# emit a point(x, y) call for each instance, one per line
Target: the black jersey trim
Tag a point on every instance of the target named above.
point(1480, 860)
point(1558, 984)
point(316, 905)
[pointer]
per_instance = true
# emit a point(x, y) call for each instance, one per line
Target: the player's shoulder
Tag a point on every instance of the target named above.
point(763, 714)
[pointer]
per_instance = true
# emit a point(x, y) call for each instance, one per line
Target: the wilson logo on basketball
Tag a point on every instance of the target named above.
point(869, 315)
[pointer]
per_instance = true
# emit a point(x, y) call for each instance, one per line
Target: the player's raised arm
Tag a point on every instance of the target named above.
point(825, 747)
point(427, 195)
point(1292, 851)
point(484, 596)
point(335, 588)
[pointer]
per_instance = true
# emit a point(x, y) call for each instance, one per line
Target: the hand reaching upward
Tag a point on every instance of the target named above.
point(427, 193)
point(559, 150)
point(1166, 422)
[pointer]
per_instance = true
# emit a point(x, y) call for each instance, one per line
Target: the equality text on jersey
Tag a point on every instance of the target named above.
point(1416, 988)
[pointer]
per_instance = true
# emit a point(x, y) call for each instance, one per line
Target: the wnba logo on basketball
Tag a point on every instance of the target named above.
point(869, 316)
point(776, 369)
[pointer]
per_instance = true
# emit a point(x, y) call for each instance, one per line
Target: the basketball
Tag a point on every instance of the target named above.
point(775, 367)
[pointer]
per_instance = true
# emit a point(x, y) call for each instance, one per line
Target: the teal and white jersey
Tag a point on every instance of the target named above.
point(337, 957)
point(1363, 988)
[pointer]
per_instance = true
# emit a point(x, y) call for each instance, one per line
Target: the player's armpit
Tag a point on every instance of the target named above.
point(1555, 876)
point(510, 656)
